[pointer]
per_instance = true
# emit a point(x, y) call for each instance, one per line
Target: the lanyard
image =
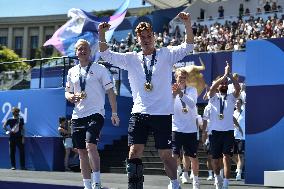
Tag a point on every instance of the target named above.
point(239, 114)
point(84, 77)
point(148, 73)
point(222, 103)
point(182, 102)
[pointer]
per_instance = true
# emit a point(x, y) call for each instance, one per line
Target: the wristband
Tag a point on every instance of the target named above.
point(114, 114)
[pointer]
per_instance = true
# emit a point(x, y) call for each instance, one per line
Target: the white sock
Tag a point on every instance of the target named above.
point(217, 178)
point(195, 179)
point(239, 171)
point(210, 172)
point(175, 183)
point(225, 182)
point(87, 183)
point(222, 173)
point(179, 170)
point(96, 177)
point(185, 174)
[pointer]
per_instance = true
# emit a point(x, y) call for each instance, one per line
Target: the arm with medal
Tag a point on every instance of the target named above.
point(185, 100)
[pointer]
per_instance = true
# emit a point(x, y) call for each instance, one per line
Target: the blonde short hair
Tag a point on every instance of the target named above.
point(180, 71)
point(81, 42)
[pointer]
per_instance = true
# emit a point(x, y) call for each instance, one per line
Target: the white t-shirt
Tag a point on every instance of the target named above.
point(231, 88)
point(206, 116)
point(241, 120)
point(159, 101)
point(227, 123)
point(97, 82)
point(185, 122)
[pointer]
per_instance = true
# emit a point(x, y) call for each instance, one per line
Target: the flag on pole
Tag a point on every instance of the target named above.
point(84, 25)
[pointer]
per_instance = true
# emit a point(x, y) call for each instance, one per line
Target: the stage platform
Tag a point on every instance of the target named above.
point(274, 178)
point(17, 179)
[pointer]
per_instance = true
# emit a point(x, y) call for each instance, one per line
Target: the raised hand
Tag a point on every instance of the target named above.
point(184, 17)
point(176, 89)
point(103, 27)
point(227, 69)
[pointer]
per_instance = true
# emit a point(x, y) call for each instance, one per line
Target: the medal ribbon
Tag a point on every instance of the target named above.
point(83, 77)
point(148, 73)
point(222, 103)
point(182, 102)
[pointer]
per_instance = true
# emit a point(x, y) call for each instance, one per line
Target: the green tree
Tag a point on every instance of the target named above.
point(8, 55)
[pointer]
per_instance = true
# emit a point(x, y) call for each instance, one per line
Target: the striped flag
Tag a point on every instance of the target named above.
point(84, 25)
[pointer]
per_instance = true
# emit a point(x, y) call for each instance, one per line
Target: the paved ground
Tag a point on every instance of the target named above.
point(109, 180)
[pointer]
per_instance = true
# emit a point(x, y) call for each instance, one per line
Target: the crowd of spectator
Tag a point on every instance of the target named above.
point(232, 35)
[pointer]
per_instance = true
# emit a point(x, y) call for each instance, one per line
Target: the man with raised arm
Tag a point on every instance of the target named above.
point(150, 77)
point(222, 125)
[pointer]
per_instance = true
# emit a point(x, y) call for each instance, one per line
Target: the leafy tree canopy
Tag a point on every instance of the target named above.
point(8, 55)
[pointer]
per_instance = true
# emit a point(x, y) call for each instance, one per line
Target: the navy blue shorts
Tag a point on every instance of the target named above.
point(222, 142)
point(141, 125)
point(239, 146)
point(86, 130)
point(185, 141)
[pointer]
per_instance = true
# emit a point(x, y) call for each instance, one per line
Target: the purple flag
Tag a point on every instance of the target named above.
point(84, 25)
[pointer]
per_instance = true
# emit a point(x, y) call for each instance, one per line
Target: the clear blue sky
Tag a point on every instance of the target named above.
point(11, 8)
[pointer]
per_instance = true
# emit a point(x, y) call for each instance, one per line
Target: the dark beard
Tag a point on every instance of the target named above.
point(223, 90)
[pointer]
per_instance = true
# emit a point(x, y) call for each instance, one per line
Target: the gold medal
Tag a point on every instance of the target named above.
point(148, 87)
point(83, 95)
point(184, 110)
point(221, 116)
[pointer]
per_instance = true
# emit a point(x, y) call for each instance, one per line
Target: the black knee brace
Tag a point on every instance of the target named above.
point(134, 169)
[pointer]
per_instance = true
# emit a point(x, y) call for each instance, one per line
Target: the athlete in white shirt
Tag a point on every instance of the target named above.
point(222, 125)
point(86, 85)
point(184, 135)
point(150, 77)
point(239, 134)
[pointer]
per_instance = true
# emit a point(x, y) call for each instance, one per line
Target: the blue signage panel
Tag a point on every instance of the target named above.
point(40, 109)
point(264, 109)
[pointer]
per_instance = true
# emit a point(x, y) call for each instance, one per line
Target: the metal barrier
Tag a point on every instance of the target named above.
point(54, 67)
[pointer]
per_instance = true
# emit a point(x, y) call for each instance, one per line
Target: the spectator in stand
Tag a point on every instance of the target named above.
point(247, 12)
point(279, 8)
point(219, 36)
point(274, 7)
point(268, 31)
point(258, 10)
point(221, 12)
point(166, 39)
point(129, 39)
point(14, 127)
point(267, 7)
